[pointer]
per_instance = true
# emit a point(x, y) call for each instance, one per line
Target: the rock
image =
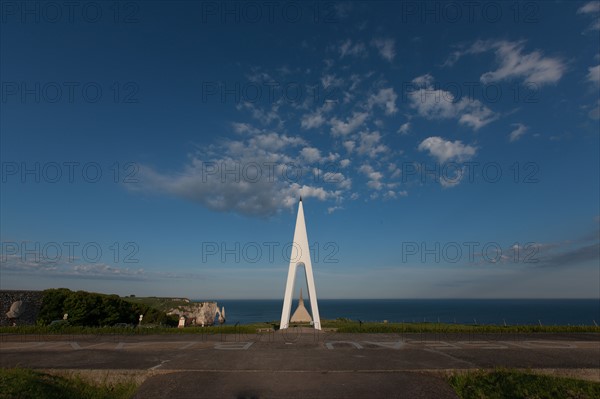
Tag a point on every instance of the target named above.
point(16, 310)
point(199, 314)
point(32, 303)
point(221, 315)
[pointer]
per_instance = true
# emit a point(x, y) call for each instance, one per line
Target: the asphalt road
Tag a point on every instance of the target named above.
point(301, 365)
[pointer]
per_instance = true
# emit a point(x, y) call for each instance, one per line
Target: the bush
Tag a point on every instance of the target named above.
point(92, 310)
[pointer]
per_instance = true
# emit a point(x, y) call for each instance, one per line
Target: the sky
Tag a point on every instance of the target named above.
point(442, 150)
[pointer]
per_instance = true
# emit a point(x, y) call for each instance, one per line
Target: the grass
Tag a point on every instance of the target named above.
point(500, 384)
point(30, 384)
point(162, 304)
point(340, 325)
point(144, 330)
point(350, 326)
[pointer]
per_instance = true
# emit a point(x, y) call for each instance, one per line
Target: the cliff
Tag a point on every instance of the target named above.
point(196, 313)
point(26, 312)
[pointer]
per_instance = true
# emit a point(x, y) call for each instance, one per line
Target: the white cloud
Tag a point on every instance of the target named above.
point(331, 177)
point(452, 178)
point(386, 99)
point(341, 128)
point(594, 113)
point(332, 209)
point(347, 48)
point(242, 128)
point(349, 145)
point(312, 120)
point(333, 156)
point(432, 103)
point(394, 170)
point(317, 118)
point(390, 195)
point(594, 74)
point(330, 80)
point(589, 8)
point(311, 154)
point(593, 9)
point(386, 48)
point(514, 63)
point(370, 144)
point(475, 114)
point(373, 176)
point(72, 268)
point(271, 142)
point(345, 183)
point(310, 191)
point(517, 132)
point(344, 163)
point(343, 9)
point(404, 128)
point(446, 150)
point(350, 92)
point(250, 176)
point(265, 117)
point(423, 80)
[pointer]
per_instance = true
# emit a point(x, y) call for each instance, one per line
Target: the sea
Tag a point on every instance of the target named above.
point(464, 311)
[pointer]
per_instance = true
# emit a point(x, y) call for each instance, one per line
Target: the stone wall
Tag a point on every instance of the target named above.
point(32, 303)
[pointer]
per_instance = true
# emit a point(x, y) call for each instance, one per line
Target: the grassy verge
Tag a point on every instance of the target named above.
point(341, 326)
point(349, 326)
point(144, 330)
point(29, 384)
point(501, 384)
point(162, 304)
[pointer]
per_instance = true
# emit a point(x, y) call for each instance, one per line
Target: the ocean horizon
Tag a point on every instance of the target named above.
point(462, 311)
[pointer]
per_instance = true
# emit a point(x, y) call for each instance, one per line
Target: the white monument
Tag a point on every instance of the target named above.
point(301, 315)
point(301, 258)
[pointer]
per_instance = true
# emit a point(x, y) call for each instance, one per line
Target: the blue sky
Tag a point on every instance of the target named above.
point(442, 150)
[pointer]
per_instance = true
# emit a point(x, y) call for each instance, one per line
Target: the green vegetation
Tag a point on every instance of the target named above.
point(501, 384)
point(93, 313)
point(340, 326)
point(93, 310)
point(29, 384)
point(349, 326)
point(162, 304)
point(143, 330)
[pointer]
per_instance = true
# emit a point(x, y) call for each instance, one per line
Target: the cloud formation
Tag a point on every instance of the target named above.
point(518, 131)
point(446, 150)
point(594, 74)
point(385, 47)
point(592, 9)
point(513, 62)
point(434, 103)
point(256, 176)
point(348, 48)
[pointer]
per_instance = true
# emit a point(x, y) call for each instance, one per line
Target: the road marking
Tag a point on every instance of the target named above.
point(329, 345)
point(440, 345)
point(188, 345)
point(449, 356)
point(233, 345)
point(120, 345)
point(480, 345)
point(159, 365)
point(549, 345)
point(389, 345)
point(75, 345)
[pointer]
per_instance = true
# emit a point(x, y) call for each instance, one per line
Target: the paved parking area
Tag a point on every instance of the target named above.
point(300, 364)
